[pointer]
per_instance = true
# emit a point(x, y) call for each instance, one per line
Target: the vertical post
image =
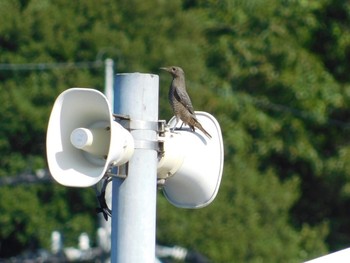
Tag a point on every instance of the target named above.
point(134, 198)
point(104, 230)
point(109, 75)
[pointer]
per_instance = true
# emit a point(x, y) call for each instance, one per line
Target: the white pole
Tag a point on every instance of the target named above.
point(109, 75)
point(134, 198)
point(104, 231)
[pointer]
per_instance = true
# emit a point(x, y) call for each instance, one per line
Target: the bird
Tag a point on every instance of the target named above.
point(180, 101)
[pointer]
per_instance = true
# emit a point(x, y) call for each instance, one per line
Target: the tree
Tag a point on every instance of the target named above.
point(257, 66)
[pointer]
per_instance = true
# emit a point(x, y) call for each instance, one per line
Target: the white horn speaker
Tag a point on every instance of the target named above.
point(83, 140)
point(192, 163)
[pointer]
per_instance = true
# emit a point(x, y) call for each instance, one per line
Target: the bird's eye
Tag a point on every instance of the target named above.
point(173, 69)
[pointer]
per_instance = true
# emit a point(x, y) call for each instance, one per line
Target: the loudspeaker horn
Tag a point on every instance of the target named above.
point(83, 140)
point(192, 163)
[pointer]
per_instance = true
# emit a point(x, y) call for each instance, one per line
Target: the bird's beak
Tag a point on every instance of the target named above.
point(166, 69)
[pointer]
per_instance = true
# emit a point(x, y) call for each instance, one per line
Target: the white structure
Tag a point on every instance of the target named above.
point(86, 143)
point(342, 256)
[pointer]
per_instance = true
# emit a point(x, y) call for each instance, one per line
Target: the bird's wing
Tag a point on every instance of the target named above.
point(185, 100)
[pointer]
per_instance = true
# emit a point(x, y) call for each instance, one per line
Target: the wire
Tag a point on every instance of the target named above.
point(99, 64)
point(263, 103)
point(49, 66)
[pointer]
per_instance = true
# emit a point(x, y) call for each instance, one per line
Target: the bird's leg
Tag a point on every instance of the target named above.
point(181, 125)
point(174, 127)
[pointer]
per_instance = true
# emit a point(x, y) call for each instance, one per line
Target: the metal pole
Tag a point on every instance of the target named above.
point(109, 75)
point(104, 231)
point(134, 198)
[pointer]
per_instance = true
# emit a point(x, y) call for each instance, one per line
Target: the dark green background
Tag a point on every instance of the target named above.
point(274, 73)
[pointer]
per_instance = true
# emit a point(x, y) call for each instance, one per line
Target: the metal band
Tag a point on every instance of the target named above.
point(148, 145)
point(143, 125)
point(129, 124)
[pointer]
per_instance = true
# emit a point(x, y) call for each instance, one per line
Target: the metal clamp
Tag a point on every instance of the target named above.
point(158, 126)
point(146, 145)
point(129, 124)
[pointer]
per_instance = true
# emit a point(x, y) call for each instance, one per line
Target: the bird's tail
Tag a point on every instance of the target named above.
point(200, 127)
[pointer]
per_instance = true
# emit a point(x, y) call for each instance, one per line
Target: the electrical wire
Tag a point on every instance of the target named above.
point(99, 64)
point(299, 113)
point(50, 66)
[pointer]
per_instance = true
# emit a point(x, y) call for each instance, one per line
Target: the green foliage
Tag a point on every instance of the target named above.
point(274, 73)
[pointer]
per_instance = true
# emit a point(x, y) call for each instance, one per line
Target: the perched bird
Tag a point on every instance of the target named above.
point(180, 101)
